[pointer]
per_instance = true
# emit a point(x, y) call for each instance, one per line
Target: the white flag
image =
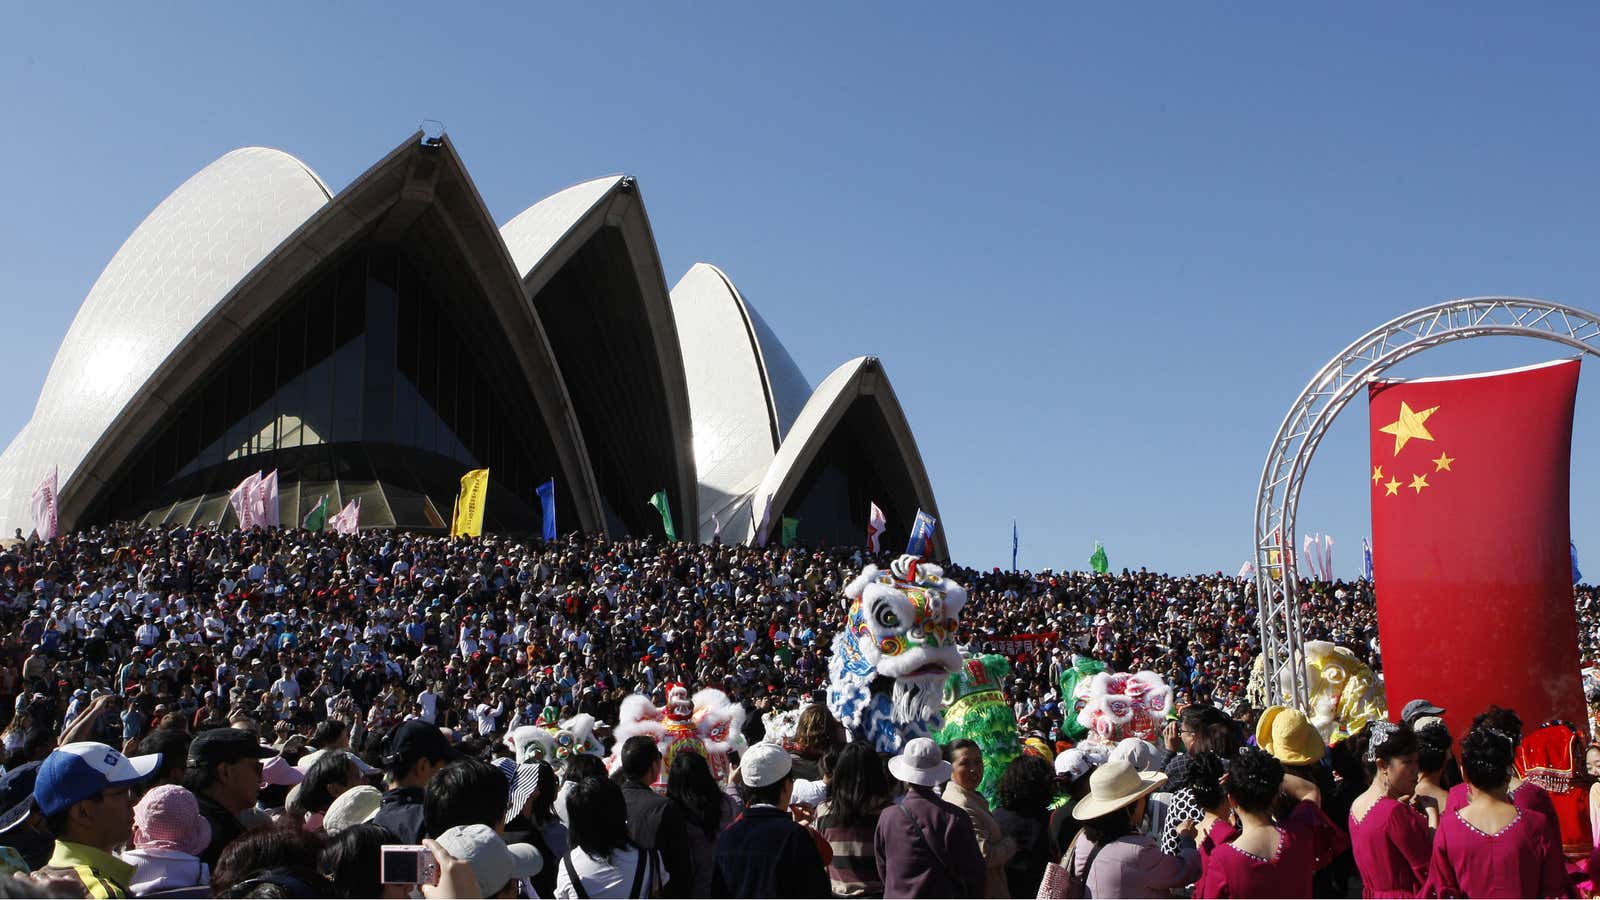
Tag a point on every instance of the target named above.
point(43, 503)
point(347, 520)
point(1248, 570)
point(243, 501)
point(875, 526)
point(265, 512)
point(716, 527)
point(1327, 557)
point(1309, 544)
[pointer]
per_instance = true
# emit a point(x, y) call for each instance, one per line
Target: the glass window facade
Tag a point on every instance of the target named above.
point(365, 384)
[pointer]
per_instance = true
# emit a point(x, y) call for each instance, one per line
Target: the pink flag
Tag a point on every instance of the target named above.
point(1309, 544)
point(347, 520)
point(266, 501)
point(43, 503)
point(875, 524)
point(1327, 557)
point(243, 501)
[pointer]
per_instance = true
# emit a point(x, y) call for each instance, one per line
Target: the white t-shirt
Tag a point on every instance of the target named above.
point(605, 877)
point(430, 705)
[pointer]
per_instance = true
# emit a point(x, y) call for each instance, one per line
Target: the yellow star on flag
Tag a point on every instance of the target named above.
point(1409, 425)
point(1442, 464)
point(1377, 474)
point(1391, 487)
point(1418, 482)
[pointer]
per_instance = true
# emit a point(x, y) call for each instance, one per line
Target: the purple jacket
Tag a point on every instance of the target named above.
point(942, 861)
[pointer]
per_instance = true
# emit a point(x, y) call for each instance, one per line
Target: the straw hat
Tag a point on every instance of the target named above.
point(1113, 786)
point(1285, 733)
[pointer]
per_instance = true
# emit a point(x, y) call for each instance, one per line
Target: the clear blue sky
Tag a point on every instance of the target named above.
point(1099, 250)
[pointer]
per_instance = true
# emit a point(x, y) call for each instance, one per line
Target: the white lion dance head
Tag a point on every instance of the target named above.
point(900, 625)
point(707, 723)
point(555, 744)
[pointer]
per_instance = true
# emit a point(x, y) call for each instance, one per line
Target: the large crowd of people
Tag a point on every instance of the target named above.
point(196, 712)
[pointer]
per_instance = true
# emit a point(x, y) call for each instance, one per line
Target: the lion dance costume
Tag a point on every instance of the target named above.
point(555, 744)
point(1118, 705)
point(894, 653)
point(708, 723)
point(1343, 693)
point(975, 709)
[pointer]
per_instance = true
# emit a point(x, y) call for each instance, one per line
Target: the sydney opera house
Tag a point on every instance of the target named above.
point(379, 341)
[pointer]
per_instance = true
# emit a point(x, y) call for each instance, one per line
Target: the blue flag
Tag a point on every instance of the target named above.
point(1577, 574)
point(921, 534)
point(1366, 559)
point(547, 503)
point(1013, 545)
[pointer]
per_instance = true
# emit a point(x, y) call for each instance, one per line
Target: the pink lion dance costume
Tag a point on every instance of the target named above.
point(1119, 705)
point(708, 723)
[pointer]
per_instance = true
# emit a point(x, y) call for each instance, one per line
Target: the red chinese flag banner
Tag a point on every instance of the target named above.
point(1470, 542)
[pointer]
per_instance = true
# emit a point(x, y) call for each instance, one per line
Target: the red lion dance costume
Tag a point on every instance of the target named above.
point(707, 723)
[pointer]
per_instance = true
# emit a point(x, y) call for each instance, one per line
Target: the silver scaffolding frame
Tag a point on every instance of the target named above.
point(1308, 420)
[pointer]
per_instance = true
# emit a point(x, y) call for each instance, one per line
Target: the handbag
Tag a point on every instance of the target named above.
point(1062, 881)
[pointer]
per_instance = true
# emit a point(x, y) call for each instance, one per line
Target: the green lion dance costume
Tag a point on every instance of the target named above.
point(975, 709)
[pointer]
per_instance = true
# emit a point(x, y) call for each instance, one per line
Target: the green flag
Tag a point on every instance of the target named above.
point(317, 519)
point(790, 526)
point(1098, 561)
point(659, 501)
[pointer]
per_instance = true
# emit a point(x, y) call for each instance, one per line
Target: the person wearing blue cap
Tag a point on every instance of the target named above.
point(82, 790)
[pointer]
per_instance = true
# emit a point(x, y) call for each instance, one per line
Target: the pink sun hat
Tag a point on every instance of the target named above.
point(167, 817)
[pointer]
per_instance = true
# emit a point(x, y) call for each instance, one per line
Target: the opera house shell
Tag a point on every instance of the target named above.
point(378, 342)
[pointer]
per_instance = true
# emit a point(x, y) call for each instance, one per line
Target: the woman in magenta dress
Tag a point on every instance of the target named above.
point(1491, 848)
point(1267, 858)
point(1391, 837)
point(1523, 794)
point(1202, 774)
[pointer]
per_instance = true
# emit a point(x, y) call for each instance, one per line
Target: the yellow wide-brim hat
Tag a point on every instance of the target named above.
point(1285, 733)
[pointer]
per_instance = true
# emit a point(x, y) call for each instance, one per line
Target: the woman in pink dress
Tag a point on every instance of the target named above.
point(1267, 858)
point(1523, 794)
point(1203, 773)
point(1490, 847)
point(1391, 834)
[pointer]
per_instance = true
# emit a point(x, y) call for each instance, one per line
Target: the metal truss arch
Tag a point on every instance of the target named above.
point(1313, 412)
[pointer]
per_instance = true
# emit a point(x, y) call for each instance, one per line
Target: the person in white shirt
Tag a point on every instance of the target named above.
point(488, 717)
point(287, 686)
point(147, 634)
point(429, 701)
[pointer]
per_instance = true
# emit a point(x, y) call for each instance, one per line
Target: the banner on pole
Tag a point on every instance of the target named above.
point(875, 525)
point(921, 534)
point(468, 518)
point(547, 508)
point(43, 504)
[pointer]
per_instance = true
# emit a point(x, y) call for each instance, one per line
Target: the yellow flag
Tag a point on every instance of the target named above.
point(468, 517)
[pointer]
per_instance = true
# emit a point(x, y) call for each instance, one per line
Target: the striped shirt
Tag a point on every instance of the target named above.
point(854, 868)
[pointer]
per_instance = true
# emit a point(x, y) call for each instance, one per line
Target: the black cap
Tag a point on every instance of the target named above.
point(225, 745)
point(1418, 708)
point(16, 795)
point(416, 739)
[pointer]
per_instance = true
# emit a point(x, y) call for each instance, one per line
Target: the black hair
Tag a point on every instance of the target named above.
point(1505, 721)
point(277, 855)
point(1254, 779)
point(332, 767)
point(1202, 774)
point(597, 816)
point(544, 798)
point(327, 733)
point(583, 766)
point(958, 745)
point(638, 754)
point(1400, 741)
point(465, 792)
point(693, 789)
point(352, 859)
point(1105, 828)
point(770, 793)
point(173, 745)
point(860, 786)
point(1486, 754)
point(1433, 746)
point(1027, 786)
point(1212, 728)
